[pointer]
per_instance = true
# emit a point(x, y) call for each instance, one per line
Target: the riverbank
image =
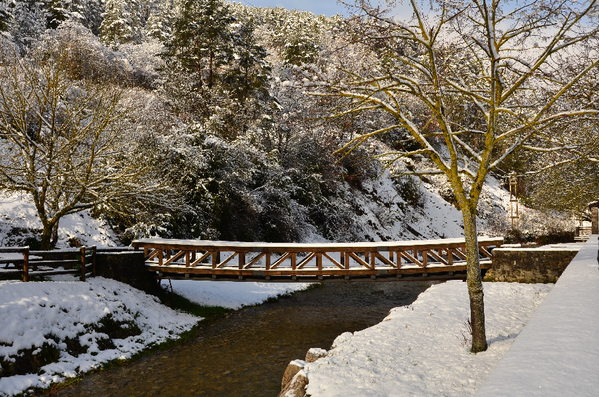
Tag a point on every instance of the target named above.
point(245, 352)
point(423, 349)
point(420, 349)
point(57, 330)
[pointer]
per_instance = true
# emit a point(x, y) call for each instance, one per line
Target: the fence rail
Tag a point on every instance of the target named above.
point(29, 263)
point(294, 261)
point(582, 233)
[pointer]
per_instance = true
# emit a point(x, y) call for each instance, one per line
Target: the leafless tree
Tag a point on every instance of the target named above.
point(467, 84)
point(63, 141)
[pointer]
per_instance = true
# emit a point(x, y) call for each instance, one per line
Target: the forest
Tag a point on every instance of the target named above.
point(215, 120)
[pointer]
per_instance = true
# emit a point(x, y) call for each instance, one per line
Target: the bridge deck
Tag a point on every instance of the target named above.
point(226, 260)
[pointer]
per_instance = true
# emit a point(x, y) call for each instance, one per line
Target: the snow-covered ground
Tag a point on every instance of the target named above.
point(231, 294)
point(54, 312)
point(51, 313)
point(19, 220)
point(422, 349)
point(557, 353)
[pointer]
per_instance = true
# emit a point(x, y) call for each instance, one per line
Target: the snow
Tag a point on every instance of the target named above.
point(37, 313)
point(421, 350)
point(231, 294)
point(382, 246)
point(557, 354)
point(18, 217)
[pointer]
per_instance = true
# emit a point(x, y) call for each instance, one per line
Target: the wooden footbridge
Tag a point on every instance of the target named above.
point(240, 261)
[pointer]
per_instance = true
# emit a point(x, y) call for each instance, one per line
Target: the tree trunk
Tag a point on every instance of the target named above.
point(54, 239)
point(48, 235)
point(475, 284)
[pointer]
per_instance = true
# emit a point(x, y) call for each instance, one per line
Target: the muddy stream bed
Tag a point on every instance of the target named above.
point(246, 353)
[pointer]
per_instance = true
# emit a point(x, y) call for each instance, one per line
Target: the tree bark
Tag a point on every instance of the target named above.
point(474, 281)
point(54, 239)
point(49, 238)
point(46, 237)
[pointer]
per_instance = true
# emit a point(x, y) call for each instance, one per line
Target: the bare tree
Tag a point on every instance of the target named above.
point(63, 141)
point(465, 86)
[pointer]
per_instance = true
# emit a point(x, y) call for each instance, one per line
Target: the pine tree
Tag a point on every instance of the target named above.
point(202, 41)
point(88, 13)
point(57, 13)
point(26, 20)
point(161, 20)
point(249, 72)
point(122, 22)
point(4, 20)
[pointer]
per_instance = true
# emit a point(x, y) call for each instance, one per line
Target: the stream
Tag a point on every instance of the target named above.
point(246, 353)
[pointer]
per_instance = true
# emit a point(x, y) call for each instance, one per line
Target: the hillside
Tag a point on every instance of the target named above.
point(196, 141)
point(380, 210)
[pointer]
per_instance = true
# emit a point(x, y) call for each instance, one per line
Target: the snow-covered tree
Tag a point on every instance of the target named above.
point(121, 22)
point(63, 141)
point(567, 188)
point(202, 41)
point(26, 20)
point(161, 20)
point(465, 85)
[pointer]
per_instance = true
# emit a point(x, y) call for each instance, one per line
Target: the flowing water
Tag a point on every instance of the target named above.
point(246, 353)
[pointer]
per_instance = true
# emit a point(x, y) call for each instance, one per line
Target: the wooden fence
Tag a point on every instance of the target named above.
point(294, 261)
point(28, 263)
point(582, 233)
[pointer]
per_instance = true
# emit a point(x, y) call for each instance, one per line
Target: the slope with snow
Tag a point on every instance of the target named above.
point(56, 314)
point(19, 221)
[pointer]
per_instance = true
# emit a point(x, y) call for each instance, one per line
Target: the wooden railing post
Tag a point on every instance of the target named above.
point(241, 260)
point(94, 249)
point(26, 264)
point(82, 263)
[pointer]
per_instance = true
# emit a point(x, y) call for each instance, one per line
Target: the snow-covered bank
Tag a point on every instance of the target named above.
point(557, 353)
point(64, 317)
point(231, 294)
point(19, 222)
point(421, 349)
point(52, 315)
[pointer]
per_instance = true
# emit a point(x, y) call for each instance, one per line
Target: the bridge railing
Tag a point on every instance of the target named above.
point(374, 259)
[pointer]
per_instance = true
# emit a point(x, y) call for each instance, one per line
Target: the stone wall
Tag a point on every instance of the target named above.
point(529, 265)
point(126, 267)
